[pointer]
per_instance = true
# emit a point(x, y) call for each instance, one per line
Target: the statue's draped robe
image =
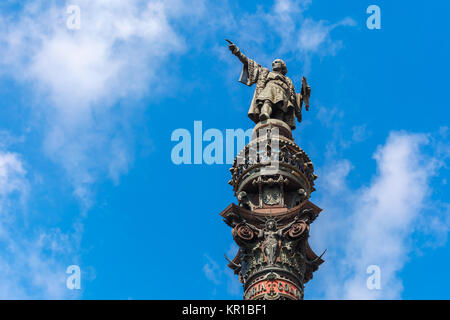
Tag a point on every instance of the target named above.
point(271, 86)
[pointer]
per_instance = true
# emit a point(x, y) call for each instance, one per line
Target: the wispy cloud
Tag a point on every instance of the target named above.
point(287, 27)
point(31, 259)
point(212, 270)
point(222, 276)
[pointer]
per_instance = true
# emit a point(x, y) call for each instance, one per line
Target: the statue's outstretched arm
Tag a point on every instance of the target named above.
point(290, 224)
point(254, 228)
point(235, 50)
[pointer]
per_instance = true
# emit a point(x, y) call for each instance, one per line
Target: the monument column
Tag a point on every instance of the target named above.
point(272, 179)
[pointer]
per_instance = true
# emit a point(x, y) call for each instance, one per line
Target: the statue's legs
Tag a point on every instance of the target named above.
point(277, 112)
point(266, 111)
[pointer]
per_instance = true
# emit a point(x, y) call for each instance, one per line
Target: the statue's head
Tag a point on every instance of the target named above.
point(242, 195)
point(271, 225)
point(279, 65)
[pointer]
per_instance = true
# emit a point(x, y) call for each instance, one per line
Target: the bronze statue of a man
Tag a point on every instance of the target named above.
point(274, 95)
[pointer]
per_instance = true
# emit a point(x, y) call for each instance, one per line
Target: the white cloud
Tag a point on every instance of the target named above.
point(109, 55)
point(314, 36)
point(212, 270)
point(12, 174)
point(31, 260)
point(360, 133)
point(334, 181)
point(79, 75)
point(374, 225)
point(287, 25)
point(221, 275)
point(384, 215)
point(34, 268)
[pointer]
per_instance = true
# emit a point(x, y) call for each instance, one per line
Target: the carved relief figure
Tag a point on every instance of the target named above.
point(271, 238)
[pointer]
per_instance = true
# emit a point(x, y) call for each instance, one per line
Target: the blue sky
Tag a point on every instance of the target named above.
point(86, 118)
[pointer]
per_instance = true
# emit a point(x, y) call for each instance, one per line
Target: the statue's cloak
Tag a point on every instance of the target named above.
point(269, 86)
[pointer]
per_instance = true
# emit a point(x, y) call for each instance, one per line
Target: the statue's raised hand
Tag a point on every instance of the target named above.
point(233, 48)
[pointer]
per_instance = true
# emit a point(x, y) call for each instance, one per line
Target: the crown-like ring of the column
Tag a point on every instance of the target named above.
point(269, 156)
